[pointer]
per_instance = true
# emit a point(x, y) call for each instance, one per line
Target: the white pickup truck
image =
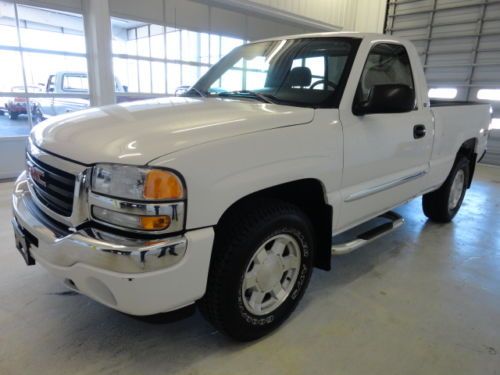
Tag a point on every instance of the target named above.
point(229, 198)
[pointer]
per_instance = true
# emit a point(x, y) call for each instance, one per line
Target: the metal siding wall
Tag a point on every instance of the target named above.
point(335, 12)
point(210, 16)
point(357, 15)
point(459, 44)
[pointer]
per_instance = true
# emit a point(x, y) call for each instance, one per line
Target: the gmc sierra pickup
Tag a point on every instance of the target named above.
point(229, 198)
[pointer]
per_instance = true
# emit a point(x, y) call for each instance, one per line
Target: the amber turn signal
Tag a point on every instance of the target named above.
point(162, 184)
point(155, 222)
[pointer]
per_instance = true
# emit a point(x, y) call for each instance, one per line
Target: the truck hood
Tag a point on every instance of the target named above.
point(138, 132)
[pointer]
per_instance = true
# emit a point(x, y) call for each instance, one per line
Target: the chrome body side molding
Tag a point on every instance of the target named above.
point(377, 189)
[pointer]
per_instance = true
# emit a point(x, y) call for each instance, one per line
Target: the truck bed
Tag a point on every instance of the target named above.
point(448, 103)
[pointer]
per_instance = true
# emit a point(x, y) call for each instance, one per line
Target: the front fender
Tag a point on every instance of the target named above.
point(218, 174)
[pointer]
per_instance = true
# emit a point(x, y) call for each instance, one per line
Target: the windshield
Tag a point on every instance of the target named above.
point(305, 72)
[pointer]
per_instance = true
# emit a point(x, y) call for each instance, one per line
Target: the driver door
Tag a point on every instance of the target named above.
point(385, 160)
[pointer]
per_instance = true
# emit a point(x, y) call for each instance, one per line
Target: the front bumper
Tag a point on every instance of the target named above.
point(139, 277)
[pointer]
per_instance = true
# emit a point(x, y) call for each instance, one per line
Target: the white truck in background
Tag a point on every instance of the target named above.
point(229, 199)
point(66, 82)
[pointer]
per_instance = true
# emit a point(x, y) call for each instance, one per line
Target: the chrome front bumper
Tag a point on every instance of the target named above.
point(61, 247)
point(138, 277)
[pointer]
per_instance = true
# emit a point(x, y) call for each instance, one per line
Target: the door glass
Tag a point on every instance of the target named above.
point(386, 64)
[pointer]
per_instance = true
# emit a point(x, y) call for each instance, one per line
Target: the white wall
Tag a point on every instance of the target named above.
point(370, 16)
point(12, 151)
point(358, 15)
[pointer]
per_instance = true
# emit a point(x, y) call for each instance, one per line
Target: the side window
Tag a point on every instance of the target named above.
point(386, 64)
point(75, 83)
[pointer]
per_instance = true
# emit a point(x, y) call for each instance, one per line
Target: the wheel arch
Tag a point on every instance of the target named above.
point(310, 196)
point(468, 149)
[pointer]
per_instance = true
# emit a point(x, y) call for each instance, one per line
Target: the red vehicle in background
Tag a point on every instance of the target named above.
point(18, 105)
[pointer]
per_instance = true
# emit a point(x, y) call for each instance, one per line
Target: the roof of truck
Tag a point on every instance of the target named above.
point(330, 34)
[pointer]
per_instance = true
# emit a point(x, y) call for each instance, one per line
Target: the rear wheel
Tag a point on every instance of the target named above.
point(443, 204)
point(262, 263)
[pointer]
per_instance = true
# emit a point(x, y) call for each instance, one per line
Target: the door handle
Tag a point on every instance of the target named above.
point(419, 131)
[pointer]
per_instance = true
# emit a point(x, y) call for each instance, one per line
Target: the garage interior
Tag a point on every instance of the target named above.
point(423, 300)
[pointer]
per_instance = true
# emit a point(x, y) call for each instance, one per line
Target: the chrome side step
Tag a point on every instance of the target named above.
point(394, 222)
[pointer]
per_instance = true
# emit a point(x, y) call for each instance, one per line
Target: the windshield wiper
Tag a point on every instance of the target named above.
point(248, 94)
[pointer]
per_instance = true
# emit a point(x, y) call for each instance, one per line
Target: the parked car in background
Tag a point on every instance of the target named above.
point(68, 83)
point(181, 90)
point(18, 105)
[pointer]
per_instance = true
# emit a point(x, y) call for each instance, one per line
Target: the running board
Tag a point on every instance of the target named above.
point(395, 221)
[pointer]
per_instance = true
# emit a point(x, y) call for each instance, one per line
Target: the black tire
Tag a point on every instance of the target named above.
point(436, 204)
point(13, 115)
point(242, 233)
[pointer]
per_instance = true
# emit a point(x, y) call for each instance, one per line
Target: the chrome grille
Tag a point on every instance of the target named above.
point(54, 188)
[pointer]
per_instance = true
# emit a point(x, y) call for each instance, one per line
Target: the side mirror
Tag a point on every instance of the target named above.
point(394, 98)
point(125, 88)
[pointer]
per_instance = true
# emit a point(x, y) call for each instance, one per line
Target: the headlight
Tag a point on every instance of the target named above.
point(137, 198)
point(137, 183)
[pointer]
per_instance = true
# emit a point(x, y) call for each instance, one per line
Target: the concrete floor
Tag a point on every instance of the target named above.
point(423, 300)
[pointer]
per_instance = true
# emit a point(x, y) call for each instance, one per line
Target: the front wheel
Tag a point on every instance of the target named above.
point(443, 204)
point(262, 263)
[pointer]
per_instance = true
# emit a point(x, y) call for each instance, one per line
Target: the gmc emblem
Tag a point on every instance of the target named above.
point(37, 175)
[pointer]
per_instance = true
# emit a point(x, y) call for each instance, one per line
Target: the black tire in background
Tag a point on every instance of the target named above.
point(436, 204)
point(237, 240)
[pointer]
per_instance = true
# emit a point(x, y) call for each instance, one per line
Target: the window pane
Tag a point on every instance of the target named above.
point(214, 49)
point(189, 75)
point(143, 41)
point(13, 123)
point(59, 31)
point(190, 46)
point(10, 61)
point(228, 44)
point(126, 72)
point(57, 106)
point(39, 66)
point(255, 80)
point(8, 35)
point(173, 44)
point(132, 47)
point(158, 46)
point(144, 76)
point(204, 48)
point(158, 70)
point(173, 77)
point(232, 80)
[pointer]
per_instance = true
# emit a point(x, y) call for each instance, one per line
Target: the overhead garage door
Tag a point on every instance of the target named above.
point(459, 44)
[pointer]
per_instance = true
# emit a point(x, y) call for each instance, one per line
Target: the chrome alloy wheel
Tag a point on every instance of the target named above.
point(271, 274)
point(457, 188)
